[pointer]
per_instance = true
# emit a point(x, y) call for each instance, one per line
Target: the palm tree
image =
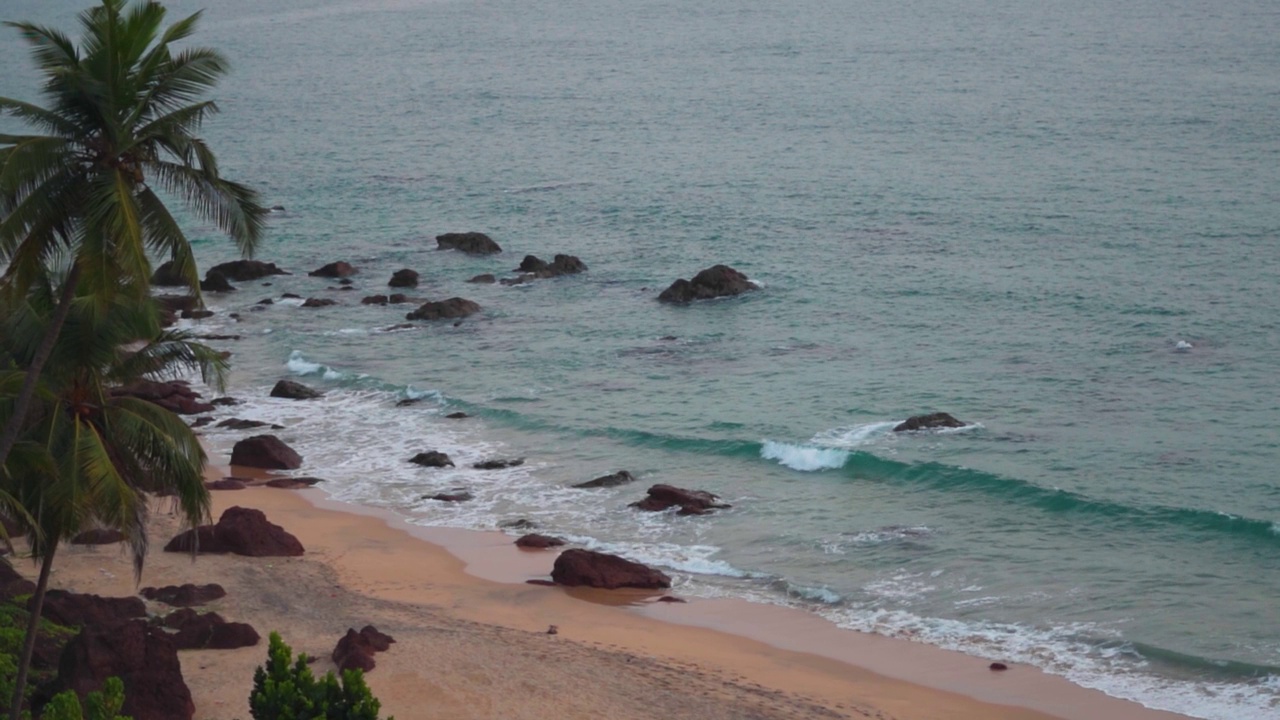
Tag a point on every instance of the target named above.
point(123, 111)
point(88, 457)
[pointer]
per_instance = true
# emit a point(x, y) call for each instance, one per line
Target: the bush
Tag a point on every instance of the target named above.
point(286, 690)
point(103, 705)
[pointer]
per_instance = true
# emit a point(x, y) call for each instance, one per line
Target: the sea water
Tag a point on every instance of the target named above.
point(1056, 221)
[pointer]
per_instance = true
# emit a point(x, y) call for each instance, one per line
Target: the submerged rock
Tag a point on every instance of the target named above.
point(404, 278)
point(338, 269)
point(455, 307)
point(621, 477)
point(294, 391)
point(927, 422)
point(690, 502)
point(244, 270)
point(431, 458)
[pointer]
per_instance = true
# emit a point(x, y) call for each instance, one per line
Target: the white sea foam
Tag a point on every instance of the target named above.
point(802, 457)
point(693, 559)
point(852, 437)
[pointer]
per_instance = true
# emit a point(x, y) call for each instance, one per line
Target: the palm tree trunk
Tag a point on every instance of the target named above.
point(28, 391)
point(33, 627)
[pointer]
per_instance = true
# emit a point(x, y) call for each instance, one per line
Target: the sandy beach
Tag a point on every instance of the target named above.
point(472, 637)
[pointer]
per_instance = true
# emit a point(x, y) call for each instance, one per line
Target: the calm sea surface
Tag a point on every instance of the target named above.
point(1059, 221)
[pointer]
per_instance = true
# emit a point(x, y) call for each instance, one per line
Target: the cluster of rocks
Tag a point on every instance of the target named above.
point(175, 395)
point(240, 531)
point(716, 281)
point(356, 649)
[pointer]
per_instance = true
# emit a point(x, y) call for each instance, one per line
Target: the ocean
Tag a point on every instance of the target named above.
point(1056, 221)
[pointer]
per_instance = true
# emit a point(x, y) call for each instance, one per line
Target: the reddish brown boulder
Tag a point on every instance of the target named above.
point(601, 570)
point(454, 307)
point(298, 483)
point(175, 396)
point(356, 649)
point(431, 458)
point(242, 531)
point(690, 502)
point(716, 281)
point(318, 302)
point(484, 279)
point(244, 270)
point(338, 269)
point(142, 656)
point(538, 542)
point(404, 278)
point(265, 451)
point(76, 609)
point(209, 631)
point(185, 595)
point(374, 300)
point(98, 536)
point(12, 583)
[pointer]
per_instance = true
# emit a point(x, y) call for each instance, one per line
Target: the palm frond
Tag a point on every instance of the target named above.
point(234, 208)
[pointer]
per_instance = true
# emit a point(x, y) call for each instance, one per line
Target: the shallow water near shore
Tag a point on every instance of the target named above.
point(1057, 224)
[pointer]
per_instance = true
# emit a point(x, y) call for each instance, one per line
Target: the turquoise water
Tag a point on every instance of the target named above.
point(1012, 212)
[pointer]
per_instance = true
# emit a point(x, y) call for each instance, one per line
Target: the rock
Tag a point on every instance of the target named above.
point(374, 300)
point(225, 401)
point(622, 477)
point(715, 281)
point(293, 483)
point(209, 631)
point(174, 395)
point(76, 609)
point(265, 451)
point(484, 279)
point(143, 657)
point(185, 595)
point(265, 301)
point(245, 270)
point(536, 541)
point(928, 422)
point(240, 424)
point(294, 391)
point(11, 582)
point(567, 265)
point(457, 415)
point(290, 296)
point(458, 496)
point(226, 484)
point(520, 280)
point(690, 502)
point(539, 581)
point(196, 314)
point(671, 599)
point(356, 649)
point(165, 276)
point(519, 524)
point(397, 298)
point(338, 269)
point(498, 464)
point(998, 666)
point(318, 302)
point(538, 268)
point(454, 307)
point(98, 536)
point(215, 281)
point(601, 570)
point(202, 421)
point(408, 401)
point(472, 243)
point(432, 458)
point(404, 278)
point(532, 264)
point(242, 531)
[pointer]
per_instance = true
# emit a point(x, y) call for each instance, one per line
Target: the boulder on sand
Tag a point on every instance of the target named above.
point(601, 570)
point(184, 595)
point(242, 531)
point(716, 281)
point(265, 451)
point(142, 656)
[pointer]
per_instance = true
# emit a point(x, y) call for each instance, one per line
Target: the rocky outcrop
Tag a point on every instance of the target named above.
point(294, 391)
point(484, 279)
point(265, 451)
point(451, 497)
point(318, 302)
point(601, 570)
point(340, 269)
point(98, 536)
point(534, 541)
point(536, 267)
point(716, 281)
point(929, 422)
point(241, 424)
point(175, 396)
point(76, 609)
point(690, 502)
point(209, 631)
point(472, 243)
point(454, 307)
point(165, 276)
point(403, 278)
point(215, 281)
point(143, 657)
point(245, 270)
point(432, 458)
point(498, 464)
point(240, 531)
point(356, 649)
point(622, 477)
point(184, 595)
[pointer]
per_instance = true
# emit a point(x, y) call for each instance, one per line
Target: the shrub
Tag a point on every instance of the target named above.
point(284, 689)
point(103, 705)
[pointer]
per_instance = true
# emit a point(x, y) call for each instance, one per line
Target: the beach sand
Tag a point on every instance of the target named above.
point(472, 641)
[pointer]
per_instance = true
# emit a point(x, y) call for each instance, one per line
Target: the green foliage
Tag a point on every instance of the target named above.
point(284, 689)
point(103, 705)
point(13, 623)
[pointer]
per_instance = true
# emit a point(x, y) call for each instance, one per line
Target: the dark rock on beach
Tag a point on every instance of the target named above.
point(202, 421)
point(98, 536)
point(145, 659)
point(166, 276)
point(622, 477)
point(77, 609)
point(184, 595)
point(240, 424)
point(340, 269)
point(716, 281)
point(245, 270)
point(601, 570)
point(690, 502)
point(356, 649)
point(294, 391)
point(293, 483)
point(227, 483)
point(241, 531)
point(454, 307)
point(209, 631)
point(431, 458)
point(535, 541)
point(472, 243)
point(404, 278)
point(928, 422)
point(265, 451)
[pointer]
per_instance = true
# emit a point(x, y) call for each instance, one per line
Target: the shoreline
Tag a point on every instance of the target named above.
point(640, 658)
